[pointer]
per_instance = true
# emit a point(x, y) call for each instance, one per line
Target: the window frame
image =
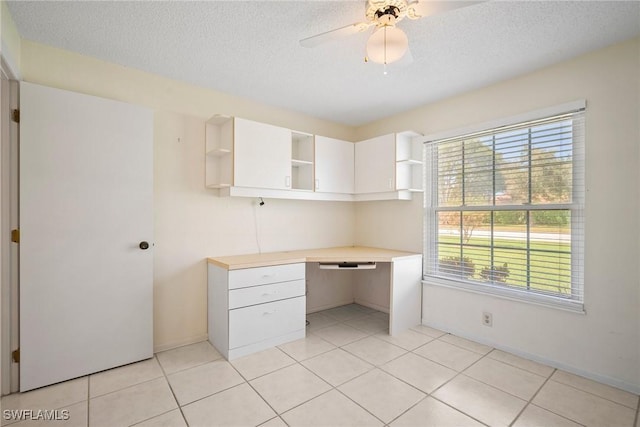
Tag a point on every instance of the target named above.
point(574, 302)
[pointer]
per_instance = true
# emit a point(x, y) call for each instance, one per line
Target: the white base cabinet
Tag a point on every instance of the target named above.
point(253, 309)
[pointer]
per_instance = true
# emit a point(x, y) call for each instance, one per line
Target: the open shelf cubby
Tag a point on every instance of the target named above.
point(219, 150)
point(302, 159)
point(409, 155)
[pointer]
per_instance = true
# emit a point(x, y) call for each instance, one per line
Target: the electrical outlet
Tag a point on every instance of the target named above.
point(487, 319)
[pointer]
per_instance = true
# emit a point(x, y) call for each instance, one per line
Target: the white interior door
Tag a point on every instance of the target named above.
point(86, 192)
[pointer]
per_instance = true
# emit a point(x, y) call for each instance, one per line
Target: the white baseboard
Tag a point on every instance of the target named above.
point(614, 382)
point(372, 305)
point(174, 344)
point(329, 306)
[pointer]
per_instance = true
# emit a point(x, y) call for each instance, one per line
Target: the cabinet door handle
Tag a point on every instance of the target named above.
point(287, 181)
point(317, 184)
point(390, 183)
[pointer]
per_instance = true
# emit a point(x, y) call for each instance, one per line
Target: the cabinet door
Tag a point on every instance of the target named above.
point(334, 165)
point(262, 155)
point(375, 165)
point(250, 325)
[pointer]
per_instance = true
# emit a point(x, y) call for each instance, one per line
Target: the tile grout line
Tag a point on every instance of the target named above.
point(88, 398)
point(266, 373)
point(271, 419)
point(439, 387)
point(547, 379)
point(494, 387)
point(393, 376)
point(357, 404)
point(463, 348)
point(458, 373)
point(440, 364)
point(150, 418)
point(529, 402)
point(166, 378)
point(349, 380)
point(190, 367)
point(399, 379)
point(256, 391)
point(315, 355)
point(127, 387)
point(519, 367)
point(593, 394)
point(336, 387)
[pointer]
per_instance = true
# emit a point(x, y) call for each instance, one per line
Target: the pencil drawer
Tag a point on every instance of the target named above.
point(265, 293)
point(264, 275)
point(250, 325)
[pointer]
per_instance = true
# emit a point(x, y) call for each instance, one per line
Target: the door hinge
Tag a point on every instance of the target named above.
point(15, 355)
point(15, 236)
point(15, 115)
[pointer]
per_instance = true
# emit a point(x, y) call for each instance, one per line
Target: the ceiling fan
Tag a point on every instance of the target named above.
point(387, 43)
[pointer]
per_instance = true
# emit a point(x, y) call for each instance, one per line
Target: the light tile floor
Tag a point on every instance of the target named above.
point(347, 372)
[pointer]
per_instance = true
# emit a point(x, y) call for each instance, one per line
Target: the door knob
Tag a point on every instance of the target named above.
point(144, 245)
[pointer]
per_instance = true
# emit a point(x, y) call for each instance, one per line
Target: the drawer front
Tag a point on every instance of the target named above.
point(265, 293)
point(257, 323)
point(264, 275)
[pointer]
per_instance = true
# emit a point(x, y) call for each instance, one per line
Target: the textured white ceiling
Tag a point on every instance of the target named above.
point(251, 49)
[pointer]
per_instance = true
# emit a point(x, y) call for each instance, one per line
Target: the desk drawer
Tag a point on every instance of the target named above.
point(265, 293)
point(264, 275)
point(257, 323)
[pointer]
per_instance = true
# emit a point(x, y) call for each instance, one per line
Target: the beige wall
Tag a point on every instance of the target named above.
point(10, 41)
point(604, 343)
point(190, 222)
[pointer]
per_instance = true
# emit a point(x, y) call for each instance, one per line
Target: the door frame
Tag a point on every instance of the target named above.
point(9, 220)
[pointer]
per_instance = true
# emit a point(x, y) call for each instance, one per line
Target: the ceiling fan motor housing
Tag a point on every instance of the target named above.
point(387, 16)
point(386, 12)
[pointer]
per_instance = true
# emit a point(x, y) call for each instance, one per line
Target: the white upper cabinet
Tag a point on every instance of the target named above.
point(334, 161)
point(251, 159)
point(262, 155)
point(375, 165)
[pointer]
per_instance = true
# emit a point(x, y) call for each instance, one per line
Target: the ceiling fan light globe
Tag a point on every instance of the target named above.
point(386, 45)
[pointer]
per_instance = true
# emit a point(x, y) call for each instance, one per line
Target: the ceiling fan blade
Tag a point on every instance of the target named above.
point(429, 8)
point(336, 34)
point(406, 59)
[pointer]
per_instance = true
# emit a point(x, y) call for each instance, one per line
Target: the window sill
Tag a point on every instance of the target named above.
point(509, 294)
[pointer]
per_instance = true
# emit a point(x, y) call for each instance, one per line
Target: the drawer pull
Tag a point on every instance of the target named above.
point(268, 294)
point(266, 276)
point(268, 312)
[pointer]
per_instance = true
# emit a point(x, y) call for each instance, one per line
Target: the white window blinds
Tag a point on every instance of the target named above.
point(504, 210)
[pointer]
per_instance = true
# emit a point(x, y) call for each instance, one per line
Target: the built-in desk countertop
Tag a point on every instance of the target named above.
point(340, 254)
point(258, 301)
